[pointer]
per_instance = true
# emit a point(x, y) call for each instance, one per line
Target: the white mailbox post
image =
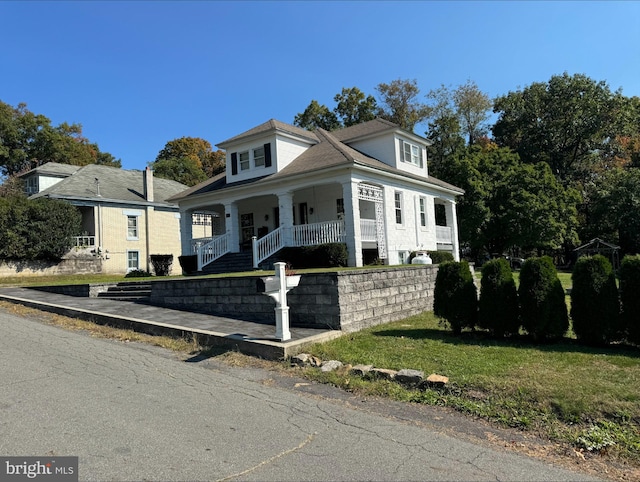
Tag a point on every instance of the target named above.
point(277, 287)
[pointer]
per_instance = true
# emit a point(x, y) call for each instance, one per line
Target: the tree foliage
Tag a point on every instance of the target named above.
point(400, 105)
point(37, 229)
point(317, 116)
point(354, 107)
point(28, 140)
point(567, 122)
point(189, 160)
point(613, 207)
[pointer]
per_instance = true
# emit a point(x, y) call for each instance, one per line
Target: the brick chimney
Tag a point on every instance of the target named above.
point(148, 184)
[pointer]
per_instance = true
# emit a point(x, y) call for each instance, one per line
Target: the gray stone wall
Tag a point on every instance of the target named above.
point(346, 300)
point(41, 268)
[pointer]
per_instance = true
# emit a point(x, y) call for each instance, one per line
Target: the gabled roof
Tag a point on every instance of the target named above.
point(115, 184)
point(372, 128)
point(271, 125)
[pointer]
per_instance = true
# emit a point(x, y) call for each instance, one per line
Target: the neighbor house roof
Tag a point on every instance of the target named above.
point(117, 185)
point(52, 169)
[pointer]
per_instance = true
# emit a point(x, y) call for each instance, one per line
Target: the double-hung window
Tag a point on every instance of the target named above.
point(422, 204)
point(258, 157)
point(133, 260)
point(398, 205)
point(132, 227)
point(244, 161)
point(411, 153)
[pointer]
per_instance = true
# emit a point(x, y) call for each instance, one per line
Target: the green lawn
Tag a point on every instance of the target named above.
point(585, 396)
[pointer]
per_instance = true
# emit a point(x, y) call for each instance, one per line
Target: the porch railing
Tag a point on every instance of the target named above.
point(214, 249)
point(197, 242)
point(368, 230)
point(318, 233)
point(267, 245)
point(444, 235)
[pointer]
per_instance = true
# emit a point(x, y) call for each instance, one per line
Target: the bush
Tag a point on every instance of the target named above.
point(138, 273)
point(595, 308)
point(498, 304)
point(629, 299)
point(543, 310)
point(329, 255)
point(455, 295)
point(161, 264)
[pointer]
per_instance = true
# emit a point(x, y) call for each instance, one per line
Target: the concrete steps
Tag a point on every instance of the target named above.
point(128, 291)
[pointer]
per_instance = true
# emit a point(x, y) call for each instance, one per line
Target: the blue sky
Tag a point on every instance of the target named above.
point(139, 74)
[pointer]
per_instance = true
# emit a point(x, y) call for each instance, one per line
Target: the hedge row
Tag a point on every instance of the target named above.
point(601, 313)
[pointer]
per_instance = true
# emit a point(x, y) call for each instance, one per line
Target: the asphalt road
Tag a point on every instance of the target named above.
point(134, 412)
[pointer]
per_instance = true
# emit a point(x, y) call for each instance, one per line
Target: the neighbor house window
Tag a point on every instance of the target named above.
point(423, 212)
point(398, 204)
point(132, 227)
point(32, 185)
point(244, 161)
point(411, 153)
point(258, 157)
point(133, 260)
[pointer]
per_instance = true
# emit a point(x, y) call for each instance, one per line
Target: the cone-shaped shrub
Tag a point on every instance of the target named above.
point(455, 295)
point(498, 305)
point(595, 308)
point(630, 296)
point(543, 310)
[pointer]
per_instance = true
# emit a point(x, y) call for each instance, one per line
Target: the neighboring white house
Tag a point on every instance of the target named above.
point(125, 213)
point(367, 186)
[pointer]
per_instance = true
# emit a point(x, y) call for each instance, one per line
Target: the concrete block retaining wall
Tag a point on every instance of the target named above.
point(345, 300)
point(48, 268)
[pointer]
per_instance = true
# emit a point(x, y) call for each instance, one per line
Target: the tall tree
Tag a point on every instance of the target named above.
point(353, 107)
point(317, 116)
point(472, 107)
point(28, 140)
point(400, 105)
point(567, 122)
point(188, 160)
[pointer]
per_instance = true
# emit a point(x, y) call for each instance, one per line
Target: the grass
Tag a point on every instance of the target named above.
point(585, 396)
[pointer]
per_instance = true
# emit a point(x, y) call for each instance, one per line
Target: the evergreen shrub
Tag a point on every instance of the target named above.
point(161, 264)
point(543, 310)
point(629, 275)
point(455, 296)
point(498, 304)
point(595, 308)
point(328, 255)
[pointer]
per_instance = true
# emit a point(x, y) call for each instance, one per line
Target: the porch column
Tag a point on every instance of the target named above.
point(352, 223)
point(452, 221)
point(232, 226)
point(186, 233)
point(285, 207)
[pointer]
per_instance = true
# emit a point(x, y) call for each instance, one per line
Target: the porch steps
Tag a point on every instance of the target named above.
point(230, 263)
point(128, 291)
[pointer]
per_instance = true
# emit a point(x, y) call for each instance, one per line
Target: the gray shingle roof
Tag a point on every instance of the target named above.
point(53, 169)
point(115, 185)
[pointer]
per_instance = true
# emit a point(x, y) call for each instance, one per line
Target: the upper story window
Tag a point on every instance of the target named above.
point(411, 153)
point(132, 227)
point(258, 157)
point(398, 205)
point(32, 185)
point(241, 161)
point(244, 160)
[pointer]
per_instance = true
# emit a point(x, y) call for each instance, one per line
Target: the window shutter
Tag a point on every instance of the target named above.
point(421, 160)
point(267, 155)
point(234, 163)
point(401, 150)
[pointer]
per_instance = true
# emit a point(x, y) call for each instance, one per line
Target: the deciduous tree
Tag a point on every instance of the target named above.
point(188, 160)
point(354, 107)
point(317, 116)
point(400, 105)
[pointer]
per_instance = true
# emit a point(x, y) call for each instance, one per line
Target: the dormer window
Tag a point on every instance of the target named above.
point(244, 161)
point(258, 157)
point(411, 153)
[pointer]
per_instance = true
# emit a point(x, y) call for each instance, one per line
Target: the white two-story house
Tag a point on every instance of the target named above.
point(367, 186)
